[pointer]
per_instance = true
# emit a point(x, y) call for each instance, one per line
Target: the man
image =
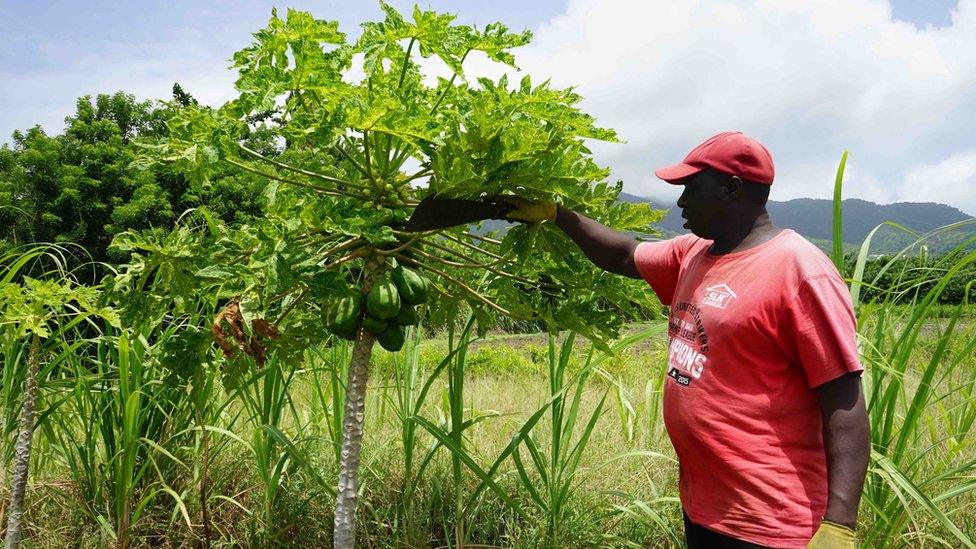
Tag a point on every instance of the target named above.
point(763, 403)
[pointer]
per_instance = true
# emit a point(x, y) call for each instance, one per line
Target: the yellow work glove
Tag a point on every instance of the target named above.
point(529, 211)
point(831, 535)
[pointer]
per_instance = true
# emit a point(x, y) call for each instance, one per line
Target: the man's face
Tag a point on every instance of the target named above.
point(704, 203)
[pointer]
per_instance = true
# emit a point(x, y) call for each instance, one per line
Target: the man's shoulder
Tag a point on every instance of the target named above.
point(688, 241)
point(802, 258)
point(678, 239)
point(681, 243)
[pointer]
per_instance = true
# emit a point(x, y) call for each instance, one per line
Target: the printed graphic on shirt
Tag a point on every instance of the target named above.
point(687, 345)
point(719, 296)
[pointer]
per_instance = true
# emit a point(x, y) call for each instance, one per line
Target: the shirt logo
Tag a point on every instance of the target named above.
point(682, 379)
point(718, 296)
point(687, 345)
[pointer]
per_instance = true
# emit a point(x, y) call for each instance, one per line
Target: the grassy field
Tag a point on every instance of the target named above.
point(271, 458)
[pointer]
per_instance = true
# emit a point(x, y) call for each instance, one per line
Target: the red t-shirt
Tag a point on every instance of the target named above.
point(750, 334)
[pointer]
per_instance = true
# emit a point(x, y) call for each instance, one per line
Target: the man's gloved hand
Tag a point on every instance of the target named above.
point(529, 211)
point(831, 535)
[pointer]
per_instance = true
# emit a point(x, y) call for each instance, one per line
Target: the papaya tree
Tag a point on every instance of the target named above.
point(366, 128)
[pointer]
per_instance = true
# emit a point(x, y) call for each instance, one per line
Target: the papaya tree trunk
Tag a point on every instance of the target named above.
point(352, 440)
point(18, 484)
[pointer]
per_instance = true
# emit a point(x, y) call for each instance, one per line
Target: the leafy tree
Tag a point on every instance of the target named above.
point(82, 186)
point(359, 151)
point(183, 98)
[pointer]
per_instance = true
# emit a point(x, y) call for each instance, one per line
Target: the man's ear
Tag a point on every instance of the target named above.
point(733, 188)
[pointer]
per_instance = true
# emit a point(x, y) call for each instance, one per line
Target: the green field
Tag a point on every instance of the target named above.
point(622, 493)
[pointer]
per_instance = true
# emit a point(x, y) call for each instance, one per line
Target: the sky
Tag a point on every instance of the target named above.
point(892, 82)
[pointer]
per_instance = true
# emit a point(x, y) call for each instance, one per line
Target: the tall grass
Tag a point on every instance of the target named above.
point(412, 387)
point(144, 440)
point(919, 397)
point(551, 475)
point(118, 431)
point(40, 301)
point(329, 369)
point(267, 399)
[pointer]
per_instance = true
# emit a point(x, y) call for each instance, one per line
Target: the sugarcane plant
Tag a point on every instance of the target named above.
point(351, 134)
point(39, 303)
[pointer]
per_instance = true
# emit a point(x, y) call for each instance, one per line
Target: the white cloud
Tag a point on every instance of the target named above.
point(148, 71)
point(809, 79)
point(951, 181)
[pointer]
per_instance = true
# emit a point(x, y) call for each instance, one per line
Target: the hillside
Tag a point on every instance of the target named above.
point(812, 218)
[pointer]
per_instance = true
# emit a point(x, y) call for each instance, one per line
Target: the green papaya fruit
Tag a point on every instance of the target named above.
point(406, 317)
point(374, 324)
point(383, 300)
point(341, 316)
point(391, 338)
point(400, 216)
point(411, 284)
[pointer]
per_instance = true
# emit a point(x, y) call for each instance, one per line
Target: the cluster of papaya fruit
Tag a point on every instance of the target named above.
point(390, 306)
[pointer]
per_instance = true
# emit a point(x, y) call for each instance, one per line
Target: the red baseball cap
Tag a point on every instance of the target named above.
point(729, 152)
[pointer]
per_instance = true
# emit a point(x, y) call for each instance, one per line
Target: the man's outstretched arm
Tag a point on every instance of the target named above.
point(608, 249)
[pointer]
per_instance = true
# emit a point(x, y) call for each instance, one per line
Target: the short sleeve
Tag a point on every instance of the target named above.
point(659, 263)
point(819, 329)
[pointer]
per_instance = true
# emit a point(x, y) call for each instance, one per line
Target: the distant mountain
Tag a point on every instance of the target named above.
point(813, 218)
